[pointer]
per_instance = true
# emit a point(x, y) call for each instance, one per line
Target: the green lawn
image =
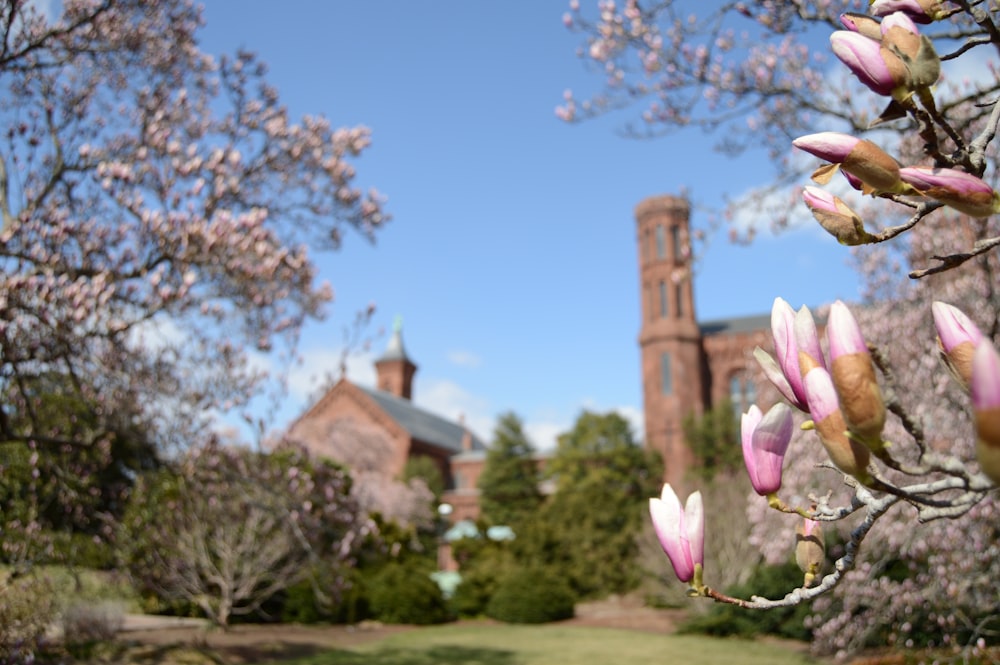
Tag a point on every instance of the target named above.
point(486, 644)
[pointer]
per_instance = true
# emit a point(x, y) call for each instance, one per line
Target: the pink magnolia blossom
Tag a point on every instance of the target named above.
point(765, 440)
point(866, 60)
point(681, 532)
point(784, 374)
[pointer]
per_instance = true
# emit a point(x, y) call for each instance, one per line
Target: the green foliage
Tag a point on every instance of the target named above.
point(75, 474)
point(508, 485)
point(481, 577)
point(231, 528)
point(714, 439)
point(316, 600)
point(28, 606)
point(768, 581)
point(401, 593)
point(427, 470)
point(532, 595)
point(589, 529)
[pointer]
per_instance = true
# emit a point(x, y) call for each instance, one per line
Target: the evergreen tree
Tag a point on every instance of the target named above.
point(714, 438)
point(588, 529)
point(509, 482)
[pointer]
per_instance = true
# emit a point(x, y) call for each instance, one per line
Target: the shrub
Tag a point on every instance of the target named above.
point(27, 609)
point(532, 595)
point(300, 604)
point(770, 582)
point(86, 624)
point(480, 580)
point(401, 593)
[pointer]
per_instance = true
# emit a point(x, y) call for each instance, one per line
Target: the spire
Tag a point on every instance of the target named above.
point(394, 369)
point(394, 350)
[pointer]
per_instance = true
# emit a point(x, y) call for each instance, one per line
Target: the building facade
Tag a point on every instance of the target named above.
point(686, 365)
point(390, 429)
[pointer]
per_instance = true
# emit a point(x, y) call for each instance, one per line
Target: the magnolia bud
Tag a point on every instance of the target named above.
point(984, 390)
point(956, 189)
point(810, 550)
point(958, 337)
point(848, 455)
point(854, 378)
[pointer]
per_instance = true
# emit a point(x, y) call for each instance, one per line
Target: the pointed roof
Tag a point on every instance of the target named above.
point(421, 424)
point(394, 350)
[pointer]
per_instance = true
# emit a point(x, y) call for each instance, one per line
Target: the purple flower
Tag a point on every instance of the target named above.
point(868, 62)
point(957, 189)
point(786, 349)
point(807, 339)
point(958, 337)
point(765, 440)
point(681, 532)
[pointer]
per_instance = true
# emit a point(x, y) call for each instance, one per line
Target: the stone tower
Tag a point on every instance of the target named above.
point(669, 337)
point(394, 369)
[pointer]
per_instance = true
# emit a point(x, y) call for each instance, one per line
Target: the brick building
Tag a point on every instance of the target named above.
point(686, 366)
point(386, 416)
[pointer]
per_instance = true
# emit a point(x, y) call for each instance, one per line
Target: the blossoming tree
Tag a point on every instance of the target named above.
point(896, 450)
point(156, 204)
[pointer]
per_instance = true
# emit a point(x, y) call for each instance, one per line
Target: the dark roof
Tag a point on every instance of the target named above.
point(736, 324)
point(423, 425)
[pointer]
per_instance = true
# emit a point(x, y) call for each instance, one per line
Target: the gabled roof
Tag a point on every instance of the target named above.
point(736, 324)
point(422, 425)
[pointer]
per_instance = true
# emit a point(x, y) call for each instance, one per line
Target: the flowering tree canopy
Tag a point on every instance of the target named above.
point(899, 398)
point(156, 204)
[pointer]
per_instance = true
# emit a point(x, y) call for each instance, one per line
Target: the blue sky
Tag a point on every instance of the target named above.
point(511, 256)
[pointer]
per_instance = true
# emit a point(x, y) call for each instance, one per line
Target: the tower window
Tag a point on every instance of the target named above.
point(675, 238)
point(663, 299)
point(650, 302)
point(661, 243)
point(666, 374)
point(742, 392)
point(679, 299)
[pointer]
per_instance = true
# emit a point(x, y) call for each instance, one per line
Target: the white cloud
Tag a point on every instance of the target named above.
point(318, 366)
point(464, 358)
point(544, 434)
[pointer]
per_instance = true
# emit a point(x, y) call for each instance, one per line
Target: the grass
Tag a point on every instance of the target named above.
point(489, 644)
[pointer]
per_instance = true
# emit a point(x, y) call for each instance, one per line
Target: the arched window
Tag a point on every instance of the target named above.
point(663, 299)
point(742, 392)
point(661, 243)
point(675, 239)
point(666, 374)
